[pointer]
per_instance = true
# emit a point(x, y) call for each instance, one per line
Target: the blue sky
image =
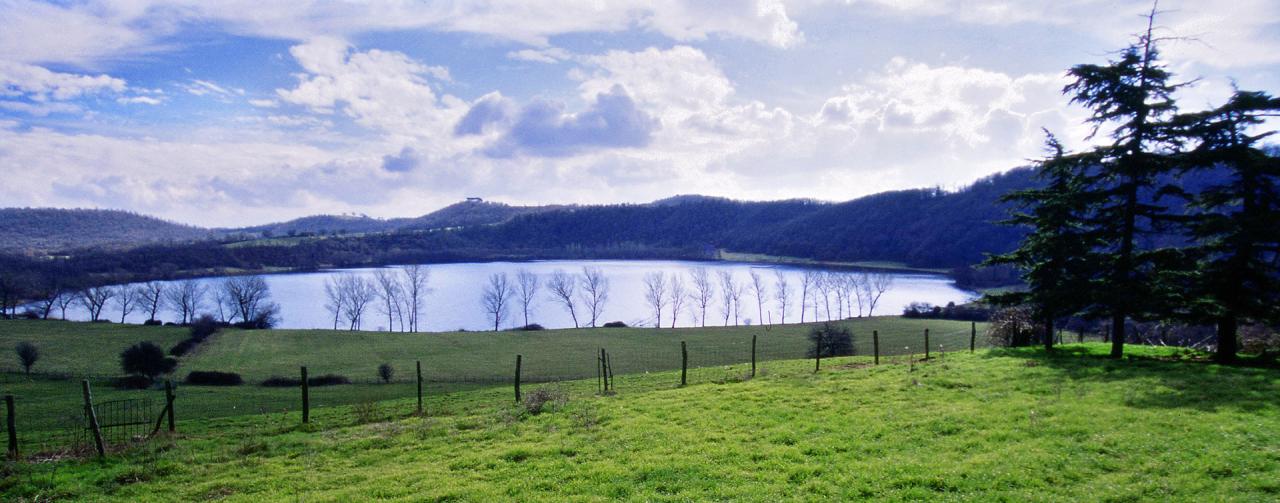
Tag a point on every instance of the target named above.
point(237, 112)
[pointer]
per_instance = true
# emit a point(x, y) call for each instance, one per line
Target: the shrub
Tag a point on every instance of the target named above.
point(152, 323)
point(214, 378)
point(28, 355)
point(146, 359)
point(267, 317)
point(830, 339)
point(182, 347)
point(281, 382)
point(541, 399)
point(1012, 327)
point(133, 382)
point(328, 380)
point(531, 327)
point(203, 327)
point(615, 324)
point(385, 372)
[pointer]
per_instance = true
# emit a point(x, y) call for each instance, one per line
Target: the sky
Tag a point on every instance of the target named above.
point(234, 112)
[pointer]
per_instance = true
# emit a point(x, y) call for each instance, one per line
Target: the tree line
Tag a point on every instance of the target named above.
point(1101, 220)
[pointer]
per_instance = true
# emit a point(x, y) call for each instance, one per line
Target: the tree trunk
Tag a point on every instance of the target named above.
point(1048, 334)
point(1228, 345)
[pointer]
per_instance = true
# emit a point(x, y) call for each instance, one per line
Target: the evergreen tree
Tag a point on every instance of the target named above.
point(1056, 257)
point(1132, 94)
point(1236, 222)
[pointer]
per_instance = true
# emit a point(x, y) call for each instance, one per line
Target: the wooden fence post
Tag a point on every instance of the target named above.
point(518, 358)
point(753, 354)
point(11, 427)
point(973, 335)
point(926, 344)
point(608, 367)
point(168, 401)
point(684, 363)
point(817, 354)
point(875, 344)
point(418, 364)
point(306, 397)
point(93, 418)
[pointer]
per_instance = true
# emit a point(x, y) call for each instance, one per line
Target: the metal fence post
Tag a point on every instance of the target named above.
point(11, 427)
point(753, 354)
point(518, 358)
point(875, 344)
point(684, 363)
point(419, 366)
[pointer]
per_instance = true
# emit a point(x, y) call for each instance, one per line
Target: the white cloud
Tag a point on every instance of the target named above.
point(197, 87)
point(543, 55)
point(139, 100)
point(264, 103)
point(40, 84)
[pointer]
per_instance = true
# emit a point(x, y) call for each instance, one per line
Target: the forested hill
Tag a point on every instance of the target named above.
point(921, 228)
point(24, 229)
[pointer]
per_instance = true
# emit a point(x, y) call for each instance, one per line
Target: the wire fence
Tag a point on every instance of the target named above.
point(51, 414)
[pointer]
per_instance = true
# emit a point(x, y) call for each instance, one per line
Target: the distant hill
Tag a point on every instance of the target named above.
point(470, 213)
point(49, 229)
point(322, 224)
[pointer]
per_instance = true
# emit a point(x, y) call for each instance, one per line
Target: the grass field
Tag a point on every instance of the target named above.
point(50, 401)
point(1014, 425)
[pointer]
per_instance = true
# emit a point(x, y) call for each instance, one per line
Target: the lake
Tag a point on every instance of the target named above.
point(454, 299)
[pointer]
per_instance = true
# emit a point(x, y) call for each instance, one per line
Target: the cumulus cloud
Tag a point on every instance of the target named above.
point(543, 128)
point(490, 110)
point(40, 84)
point(402, 162)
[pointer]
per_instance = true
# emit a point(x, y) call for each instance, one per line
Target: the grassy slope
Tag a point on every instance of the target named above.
point(1013, 425)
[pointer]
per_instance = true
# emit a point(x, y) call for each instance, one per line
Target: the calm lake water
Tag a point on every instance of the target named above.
point(455, 291)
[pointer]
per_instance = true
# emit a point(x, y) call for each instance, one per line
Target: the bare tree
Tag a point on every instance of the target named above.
point(823, 286)
point(65, 299)
point(562, 288)
point(414, 285)
point(247, 296)
point(806, 286)
point(335, 297)
point(389, 291)
point(781, 293)
point(758, 289)
point(95, 299)
point(46, 297)
point(655, 293)
point(879, 282)
point(496, 297)
point(527, 285)
point(703, 291)
point(595, 292)
point(837, 282)
point(222, 303)
point(152, 298)
point(185, 298)
point(126, 299)
point(358, 292)
point(678, 296)
point(731, 297)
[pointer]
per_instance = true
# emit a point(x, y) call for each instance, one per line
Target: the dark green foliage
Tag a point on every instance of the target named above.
point(214, 378)
point(328, 380)
point(615, 324)
point(830, 339)
point(964, 312)
point(146, 359)
point(530, 327)
point(1236, 222)
point(386, 372)
point(201, 329)
point(28, 355)
point(281, 382)
point(133, 382)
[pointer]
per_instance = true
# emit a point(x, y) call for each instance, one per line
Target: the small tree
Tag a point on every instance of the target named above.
point(386, 372)
point(28, 355)
point(830, 339)
point(146, 359)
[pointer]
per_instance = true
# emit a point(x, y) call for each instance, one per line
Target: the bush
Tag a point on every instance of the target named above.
point(281, 382)
point(385, 372)
point(268, 317)
point(1012, 327)
point(182, 347)
point(133, 382)
point(146, 359)
point(830, 339)
point(204, 326)
point(615, 324)
point(28, 355)
point(542, 399)
point(214, 378)
point(530, 327)
point(152, 323)
point(328, 380)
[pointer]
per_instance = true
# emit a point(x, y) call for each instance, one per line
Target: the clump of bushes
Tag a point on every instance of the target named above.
point(201, 329)
point(147, 361)
point(214, 378)
point(615, 324)
point(324, 380)
point(544, 399)
point(530, 327)
point(152, 323)
point(830, 339)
